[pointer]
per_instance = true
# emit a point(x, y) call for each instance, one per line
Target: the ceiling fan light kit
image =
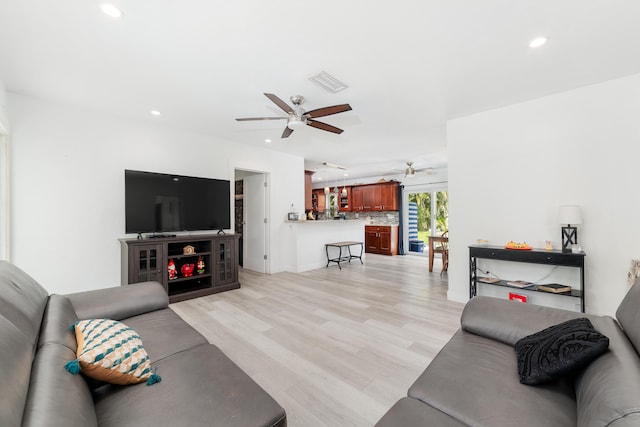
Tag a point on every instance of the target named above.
point(297, 116)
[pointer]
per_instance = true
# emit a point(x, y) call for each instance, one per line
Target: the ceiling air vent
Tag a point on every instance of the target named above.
point(328, 82)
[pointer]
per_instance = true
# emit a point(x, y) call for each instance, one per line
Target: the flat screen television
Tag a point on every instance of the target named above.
point(162, 203)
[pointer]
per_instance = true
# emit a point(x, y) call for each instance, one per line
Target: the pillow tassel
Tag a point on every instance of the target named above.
point(154, 378)
point(73, 366)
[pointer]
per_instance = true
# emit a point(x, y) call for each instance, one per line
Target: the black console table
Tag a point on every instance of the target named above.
point(534, 256)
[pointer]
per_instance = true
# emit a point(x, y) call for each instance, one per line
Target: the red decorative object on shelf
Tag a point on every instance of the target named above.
point(200, 265)
point(171, 267)
point(187, 270)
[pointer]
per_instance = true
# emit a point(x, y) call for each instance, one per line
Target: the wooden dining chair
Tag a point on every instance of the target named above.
point(445, 252)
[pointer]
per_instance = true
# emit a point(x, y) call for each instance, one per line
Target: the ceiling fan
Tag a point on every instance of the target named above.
point(298, 117)
point(410, 171)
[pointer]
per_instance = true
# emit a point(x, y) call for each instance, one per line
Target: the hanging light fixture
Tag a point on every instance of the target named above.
point(344, 187)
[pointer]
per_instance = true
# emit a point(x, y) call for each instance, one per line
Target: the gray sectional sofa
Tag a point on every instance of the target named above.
point(474, 379)
point(200, 385)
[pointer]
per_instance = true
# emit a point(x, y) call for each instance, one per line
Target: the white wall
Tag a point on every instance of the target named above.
point(510, 169)
point(4, 118)
point(68, 187)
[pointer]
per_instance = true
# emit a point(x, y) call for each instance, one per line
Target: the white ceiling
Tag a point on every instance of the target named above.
point(410, 65)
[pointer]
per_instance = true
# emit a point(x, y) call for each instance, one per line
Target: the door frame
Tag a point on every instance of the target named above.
point(240, 173)
point(412, 189)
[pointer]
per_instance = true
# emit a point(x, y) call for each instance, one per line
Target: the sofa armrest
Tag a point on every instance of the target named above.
point(120, 302)
point(508, 321)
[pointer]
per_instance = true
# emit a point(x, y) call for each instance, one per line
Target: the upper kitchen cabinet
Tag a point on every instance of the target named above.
point(308, 202)
point(375, 197)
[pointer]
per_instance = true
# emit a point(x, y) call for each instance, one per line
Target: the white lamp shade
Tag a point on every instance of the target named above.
point(570, 214)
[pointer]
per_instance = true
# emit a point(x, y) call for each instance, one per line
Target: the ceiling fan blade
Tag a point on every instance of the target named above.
point(245, 119)
point(327, 111)
point(280, 103)
point(287, 131)
point(324, 126)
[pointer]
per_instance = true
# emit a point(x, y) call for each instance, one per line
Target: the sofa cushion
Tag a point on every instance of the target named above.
point(475, 380)
point(629, 316)
point(120, 302)
point(413, 412)
point(55, 397)
point(111, 351)
point(558, 350)
point(154, 328)
point(16, 355)
point(509, 320)
point(22, 300)
point(201, 377)
point(58, 315)
point(608, 390)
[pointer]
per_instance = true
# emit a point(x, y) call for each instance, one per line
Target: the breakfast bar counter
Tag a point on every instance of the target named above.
point(308, 238)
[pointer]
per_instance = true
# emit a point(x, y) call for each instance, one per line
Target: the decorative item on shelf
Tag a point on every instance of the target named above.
point(171, 267)
point(483, 242)
point(554, 288)
point(189, 250)
point(187, 270)
point(293, 213)
point(518, 246)
point(200, 267)
point(548, 246)
point(568, 215)
point(517, 297)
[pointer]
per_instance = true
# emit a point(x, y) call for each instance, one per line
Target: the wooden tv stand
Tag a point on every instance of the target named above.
point(148, 259)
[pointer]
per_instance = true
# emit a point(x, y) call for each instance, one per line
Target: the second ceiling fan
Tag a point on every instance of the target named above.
point(297, 116)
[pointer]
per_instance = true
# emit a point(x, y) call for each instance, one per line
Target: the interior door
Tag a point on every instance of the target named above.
point(254, 229)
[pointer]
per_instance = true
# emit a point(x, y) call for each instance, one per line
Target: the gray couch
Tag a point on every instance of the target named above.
point(473, 380)
point(200, 385)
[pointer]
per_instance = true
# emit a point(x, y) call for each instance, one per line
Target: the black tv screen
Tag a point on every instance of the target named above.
point(157, 203)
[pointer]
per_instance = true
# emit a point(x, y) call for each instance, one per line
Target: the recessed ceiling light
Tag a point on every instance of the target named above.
point(268, 141)
point(537, 42)
point(111, 10)
point(155, 112)
point(346, 174)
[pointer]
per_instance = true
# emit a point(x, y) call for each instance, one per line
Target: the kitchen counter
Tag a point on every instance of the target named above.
point(307, 240)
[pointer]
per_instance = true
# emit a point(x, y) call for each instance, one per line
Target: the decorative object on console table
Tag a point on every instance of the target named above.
point(189, 250)
point(200, 267)
point(521, 284)
point(569, 214)
point(554, 288)
point(517, 297)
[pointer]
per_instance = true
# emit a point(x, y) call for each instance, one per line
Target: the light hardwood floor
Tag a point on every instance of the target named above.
point(333, 347)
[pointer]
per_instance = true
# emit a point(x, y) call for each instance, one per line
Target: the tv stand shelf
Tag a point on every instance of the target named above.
point(148, 259)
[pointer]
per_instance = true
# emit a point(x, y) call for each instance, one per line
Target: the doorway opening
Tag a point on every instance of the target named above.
point(428, 215)
point(251, 201)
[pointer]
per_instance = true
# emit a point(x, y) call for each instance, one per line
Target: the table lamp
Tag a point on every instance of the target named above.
point(569, 216)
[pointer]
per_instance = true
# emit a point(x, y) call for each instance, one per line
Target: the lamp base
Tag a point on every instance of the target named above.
point(569, 237)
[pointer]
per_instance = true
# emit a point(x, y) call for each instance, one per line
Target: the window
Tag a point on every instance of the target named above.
point(428, 216)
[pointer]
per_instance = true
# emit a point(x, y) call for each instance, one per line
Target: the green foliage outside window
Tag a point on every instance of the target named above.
point(423, 200)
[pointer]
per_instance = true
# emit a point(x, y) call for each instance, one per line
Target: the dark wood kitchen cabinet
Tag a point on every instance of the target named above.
point(375, 197)
point(381, 239)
